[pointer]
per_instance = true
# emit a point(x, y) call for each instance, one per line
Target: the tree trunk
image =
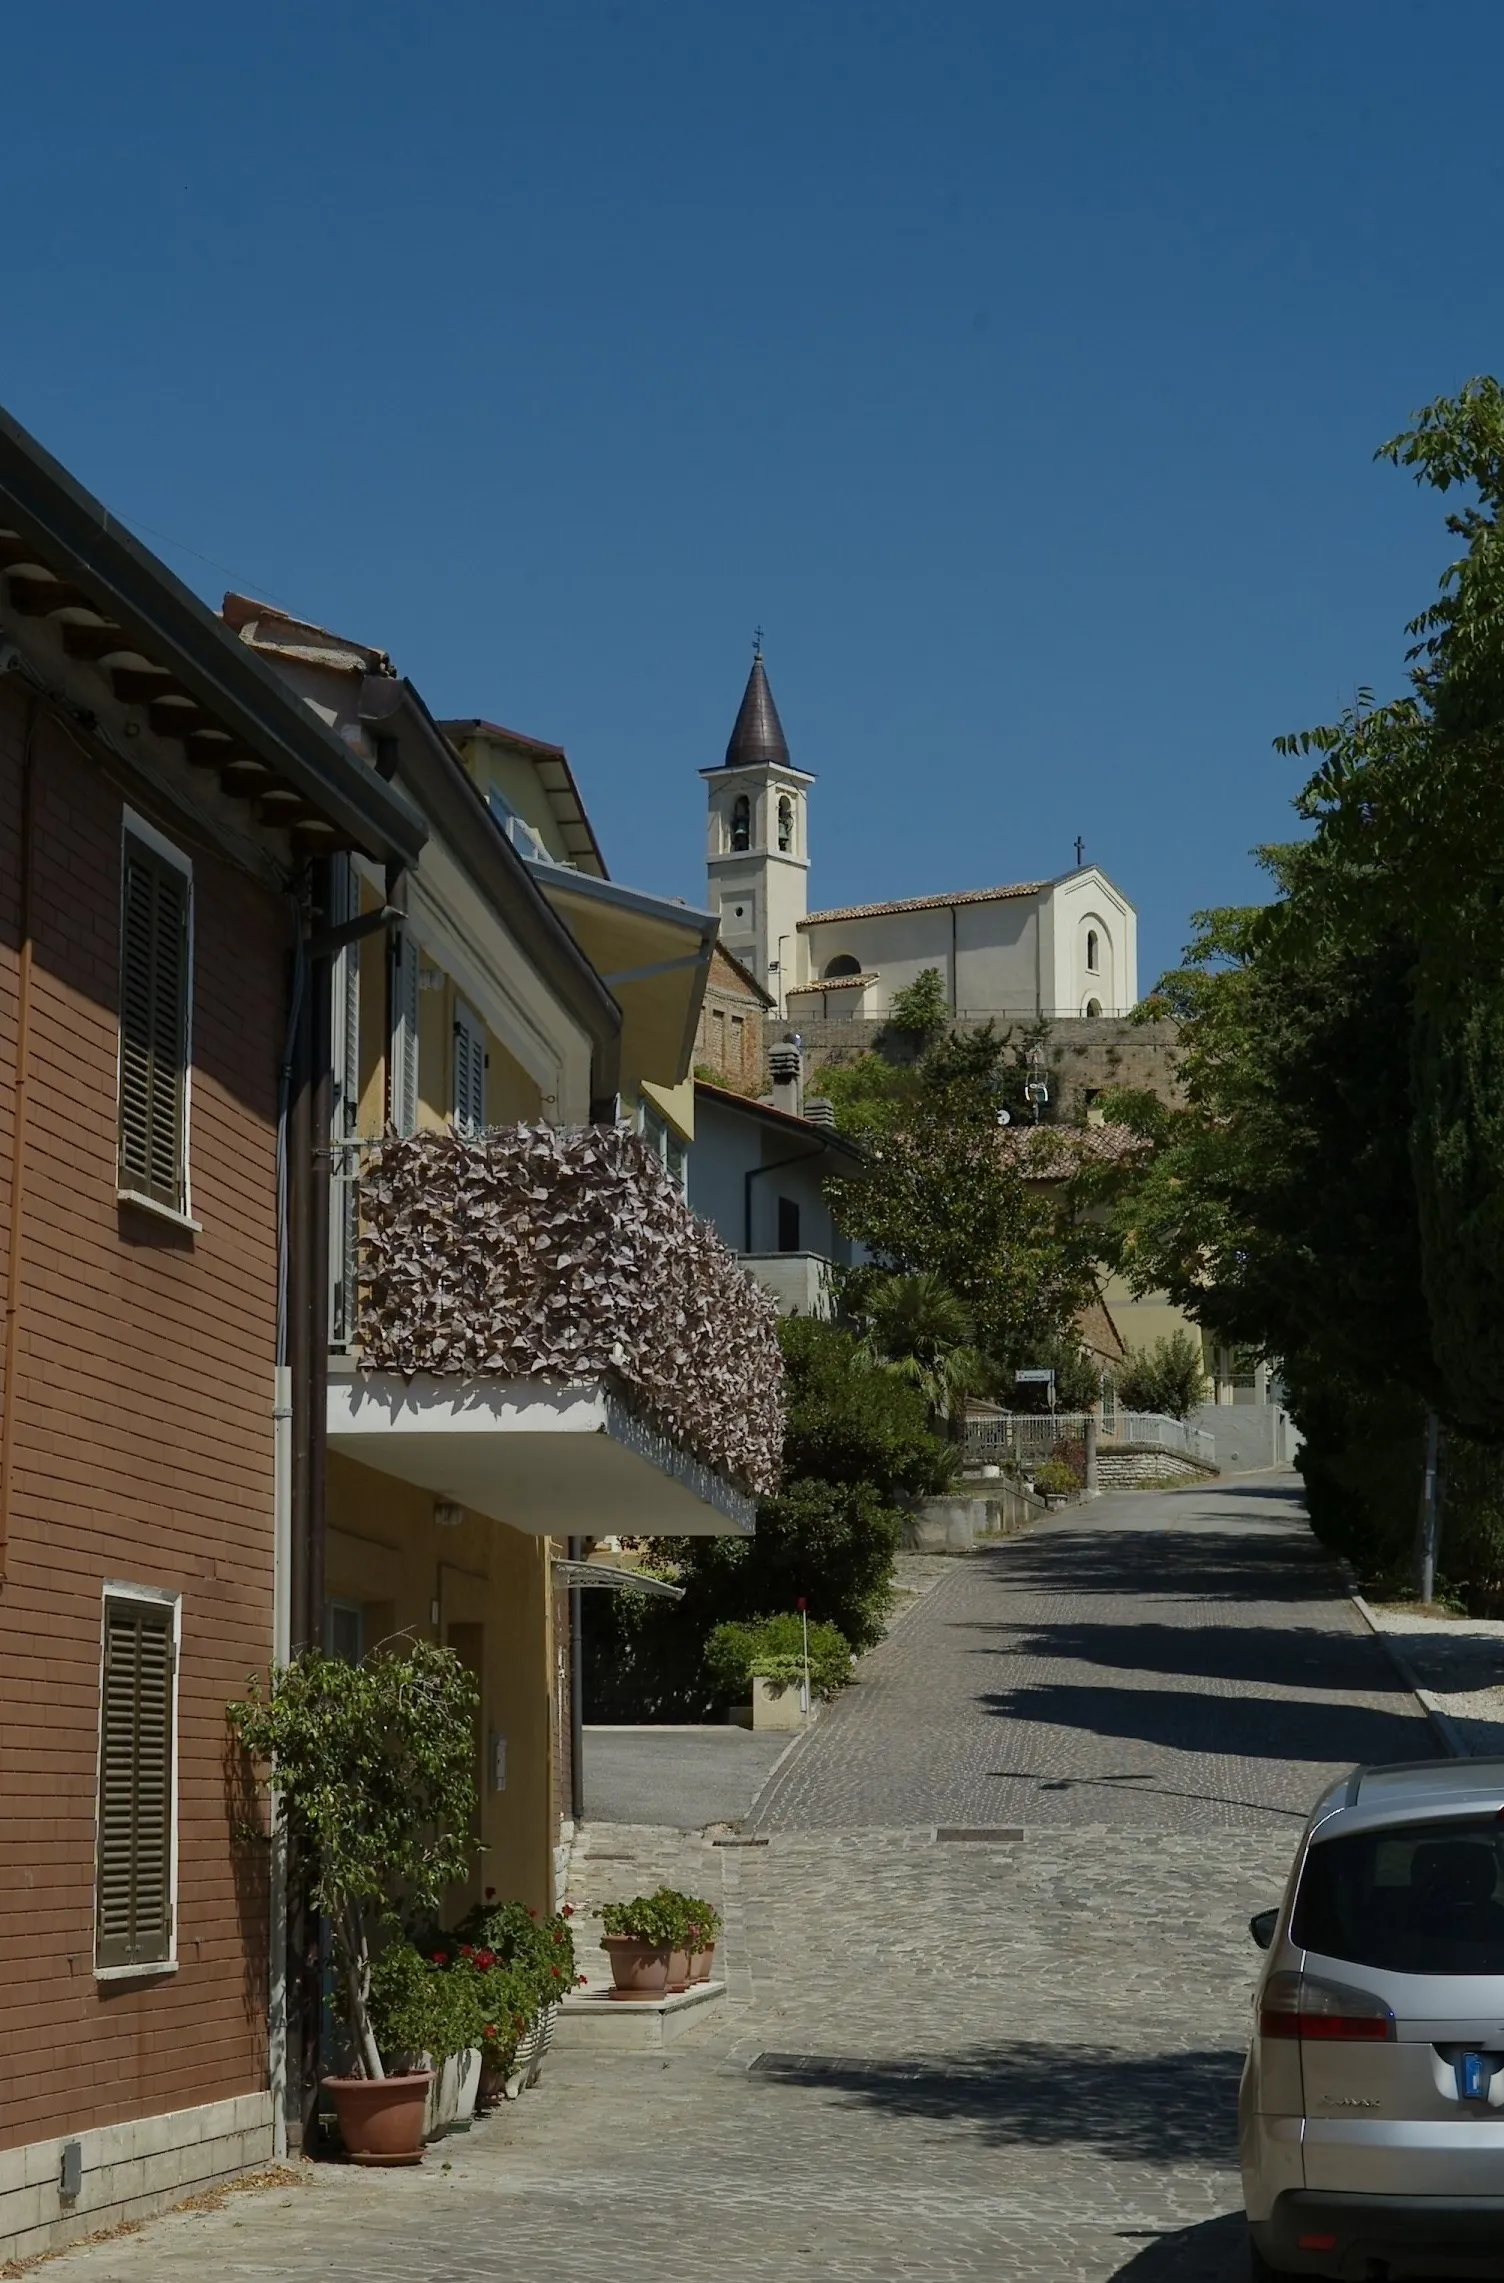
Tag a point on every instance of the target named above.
point(358, 1983)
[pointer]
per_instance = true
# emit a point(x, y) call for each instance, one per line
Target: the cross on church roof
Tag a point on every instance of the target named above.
point(1080, 849)
point(757, 641)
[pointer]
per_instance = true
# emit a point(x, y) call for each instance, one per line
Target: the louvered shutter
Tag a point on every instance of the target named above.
point(404, 1062)
point(134, 1874)
point(469, 1104)
point(153, 1026)
point(344, 1216)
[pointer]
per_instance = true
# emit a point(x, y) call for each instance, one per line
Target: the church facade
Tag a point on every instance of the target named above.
point(1035, 949)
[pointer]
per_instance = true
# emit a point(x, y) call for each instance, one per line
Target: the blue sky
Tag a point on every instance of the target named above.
point(1019, 370)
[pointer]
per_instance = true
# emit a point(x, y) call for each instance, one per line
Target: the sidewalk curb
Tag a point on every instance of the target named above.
point(1443, 1726)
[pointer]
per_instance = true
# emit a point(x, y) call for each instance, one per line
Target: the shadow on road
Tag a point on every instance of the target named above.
point(1214, 2251)
point(1297, 1656)
point(1157, 2108)
point(1245, 1727)
point(1255, 1565)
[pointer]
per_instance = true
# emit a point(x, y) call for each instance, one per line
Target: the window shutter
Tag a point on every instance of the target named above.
point(344, 1216)
point(153, 1025)
point(404, 1061)
point(469, 1070)
point(134, 1875)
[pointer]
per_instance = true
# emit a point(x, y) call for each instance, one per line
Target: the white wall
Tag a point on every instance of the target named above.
point(728, 1144)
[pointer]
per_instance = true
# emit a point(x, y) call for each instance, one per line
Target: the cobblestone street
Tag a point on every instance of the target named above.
point(940, 2057)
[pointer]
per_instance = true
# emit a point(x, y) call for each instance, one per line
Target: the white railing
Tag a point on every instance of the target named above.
point(1032, 1436)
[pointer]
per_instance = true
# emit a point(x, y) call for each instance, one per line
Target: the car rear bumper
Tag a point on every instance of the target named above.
point(1409, 2235)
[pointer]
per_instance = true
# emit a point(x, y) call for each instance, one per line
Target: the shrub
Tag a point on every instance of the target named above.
point(1054, 1479)
point(1169, 1378)
point(772, 1649)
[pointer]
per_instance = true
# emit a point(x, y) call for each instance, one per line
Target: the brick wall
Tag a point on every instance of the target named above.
point(729, 1040)
point(142, 1454)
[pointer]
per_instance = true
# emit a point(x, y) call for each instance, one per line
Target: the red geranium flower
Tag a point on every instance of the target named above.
point(438, 1957)
point(567, 1911)
point(490, 1894)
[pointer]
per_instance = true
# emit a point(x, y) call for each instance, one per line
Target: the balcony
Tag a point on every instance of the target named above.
point(547, 1335)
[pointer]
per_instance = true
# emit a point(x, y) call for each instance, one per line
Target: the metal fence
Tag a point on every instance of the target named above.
point(1032, 1436)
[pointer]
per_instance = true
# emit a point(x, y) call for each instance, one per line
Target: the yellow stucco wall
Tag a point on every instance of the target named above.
point(490, 1587)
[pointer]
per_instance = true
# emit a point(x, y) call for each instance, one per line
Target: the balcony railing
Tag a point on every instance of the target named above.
point(531, 1252)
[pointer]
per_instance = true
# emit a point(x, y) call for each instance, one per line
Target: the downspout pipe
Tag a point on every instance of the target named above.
point(14, 1248)
point(576, 1695)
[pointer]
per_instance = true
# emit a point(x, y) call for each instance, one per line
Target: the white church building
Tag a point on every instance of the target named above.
point(1051, 948)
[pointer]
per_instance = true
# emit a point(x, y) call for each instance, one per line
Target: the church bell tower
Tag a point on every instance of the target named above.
point(758, 854)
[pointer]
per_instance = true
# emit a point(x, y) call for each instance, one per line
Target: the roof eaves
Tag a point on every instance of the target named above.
point(159, 616)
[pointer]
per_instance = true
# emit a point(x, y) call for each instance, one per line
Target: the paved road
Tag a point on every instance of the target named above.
point(939, 2061)
point(682, 1777)
point(1182, 1662)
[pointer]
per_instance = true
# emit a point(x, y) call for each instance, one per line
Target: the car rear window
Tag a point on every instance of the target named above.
point(1422, 1898)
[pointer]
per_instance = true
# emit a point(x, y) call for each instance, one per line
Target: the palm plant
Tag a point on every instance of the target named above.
point(916, 1328)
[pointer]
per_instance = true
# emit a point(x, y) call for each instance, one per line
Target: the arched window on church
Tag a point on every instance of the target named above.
point(785, 824)
point(1093, 962)
point(843, 964)
point(741, 822)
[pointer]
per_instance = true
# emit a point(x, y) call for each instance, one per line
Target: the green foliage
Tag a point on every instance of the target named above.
point(1078, 1378)
point(1331, 1192)
point(373, 1768)
point(868, 1092)
point(857, 1445)
point(939, 1199)
point(921, 1011)
point(917, 1329)
point(772, 1649)
point(408, 2010)
point(1169, 1378)
point(677, 1921)
point(1055, 1479)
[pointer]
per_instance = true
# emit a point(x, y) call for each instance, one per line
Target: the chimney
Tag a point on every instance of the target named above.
point(786, 1062)
point(819, 1112)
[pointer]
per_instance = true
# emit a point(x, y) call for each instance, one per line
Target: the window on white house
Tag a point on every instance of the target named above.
point(469, 1091)
point(133, 1907)
point(156, 942)
point(788, 1224)
point(843, 964)
point(741, 822)
point(664, 1143)
point(1093, 963)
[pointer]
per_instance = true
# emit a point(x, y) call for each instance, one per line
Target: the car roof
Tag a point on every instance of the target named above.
point(1411, 1791)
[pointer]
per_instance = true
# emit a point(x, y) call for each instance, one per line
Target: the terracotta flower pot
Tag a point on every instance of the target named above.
point(381, 2118)
point(679, 1964)
point(700, 1964)
point(639, 1969)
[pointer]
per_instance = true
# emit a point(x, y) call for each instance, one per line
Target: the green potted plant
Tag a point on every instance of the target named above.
point(525, 1965)
point(370, 1766)
point(698, 1927)
point(1055, 1482)
point(639, 1938)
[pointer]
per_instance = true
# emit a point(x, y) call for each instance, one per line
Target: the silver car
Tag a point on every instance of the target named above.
point(1371, 2112)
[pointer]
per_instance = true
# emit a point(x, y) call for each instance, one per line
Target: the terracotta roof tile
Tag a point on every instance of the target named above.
point(926, 903)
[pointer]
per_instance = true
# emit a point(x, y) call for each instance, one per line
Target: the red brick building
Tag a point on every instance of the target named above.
point(166, 809)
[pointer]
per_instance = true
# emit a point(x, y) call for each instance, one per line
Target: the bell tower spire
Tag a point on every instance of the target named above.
point(758, 854)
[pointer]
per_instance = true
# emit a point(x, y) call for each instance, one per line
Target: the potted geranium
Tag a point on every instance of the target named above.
point(371, 1769)
point(639, 1937)
point(659, 1944)
point(521, 1965)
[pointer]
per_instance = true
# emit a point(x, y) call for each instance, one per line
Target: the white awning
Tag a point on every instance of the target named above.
point(554, 1460)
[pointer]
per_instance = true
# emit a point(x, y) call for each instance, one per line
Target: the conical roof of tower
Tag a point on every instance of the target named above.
point(758, 735)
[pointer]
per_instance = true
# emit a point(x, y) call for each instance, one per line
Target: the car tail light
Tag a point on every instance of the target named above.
point(1304, 2006)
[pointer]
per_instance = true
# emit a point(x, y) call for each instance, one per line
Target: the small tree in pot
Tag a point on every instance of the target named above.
point(372, 1769)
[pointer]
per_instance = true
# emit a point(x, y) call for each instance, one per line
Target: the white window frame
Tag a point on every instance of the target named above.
point(159, 1597)
point(136, 827)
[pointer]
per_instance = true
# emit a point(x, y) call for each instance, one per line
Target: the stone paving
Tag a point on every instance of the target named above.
point(1188, 1661)
point(938, 2059)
